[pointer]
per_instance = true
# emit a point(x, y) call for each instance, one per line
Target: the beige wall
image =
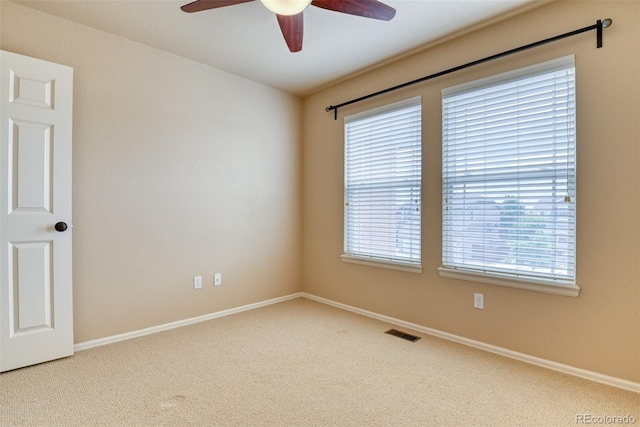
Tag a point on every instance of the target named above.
point(179, 170)
point(599, 330)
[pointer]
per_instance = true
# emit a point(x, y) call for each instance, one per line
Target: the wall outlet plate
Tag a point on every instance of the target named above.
point(478, 301)
point(197, 282)
point(217, 279)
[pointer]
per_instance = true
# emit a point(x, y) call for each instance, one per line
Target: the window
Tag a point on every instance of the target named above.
point(509, 189)
point(382, 185)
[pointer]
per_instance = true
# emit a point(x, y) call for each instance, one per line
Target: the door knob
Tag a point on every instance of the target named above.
point(61, 226)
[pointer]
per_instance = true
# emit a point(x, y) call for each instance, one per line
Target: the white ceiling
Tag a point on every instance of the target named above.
point(245, 39)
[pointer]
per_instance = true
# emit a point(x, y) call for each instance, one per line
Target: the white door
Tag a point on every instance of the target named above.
point(36, 320)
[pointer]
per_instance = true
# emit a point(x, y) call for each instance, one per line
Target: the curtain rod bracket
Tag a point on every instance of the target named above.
point(598, 26)
point(335, 111)
point(599, 34)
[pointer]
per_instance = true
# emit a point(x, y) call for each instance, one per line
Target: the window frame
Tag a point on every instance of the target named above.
point(482, 274)
point(384, 261)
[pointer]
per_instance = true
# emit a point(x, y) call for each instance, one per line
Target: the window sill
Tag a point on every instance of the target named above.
point(549, 287)
point(373, 262)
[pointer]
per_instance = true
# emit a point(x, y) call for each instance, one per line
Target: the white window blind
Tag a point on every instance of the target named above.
point(509, 167)
point(382, 183)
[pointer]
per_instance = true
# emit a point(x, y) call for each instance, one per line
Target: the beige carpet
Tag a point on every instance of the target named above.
point(298, 363)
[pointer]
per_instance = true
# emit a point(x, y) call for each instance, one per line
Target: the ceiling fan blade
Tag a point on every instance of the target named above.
point(200, 5)
point(367, 8)
point(292, 27)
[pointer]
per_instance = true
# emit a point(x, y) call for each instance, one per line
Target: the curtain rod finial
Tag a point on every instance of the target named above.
point(606, 23)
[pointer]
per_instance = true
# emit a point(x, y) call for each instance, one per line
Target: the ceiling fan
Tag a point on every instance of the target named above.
point(289, 12)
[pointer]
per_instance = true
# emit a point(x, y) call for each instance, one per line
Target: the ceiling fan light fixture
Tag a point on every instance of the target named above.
point(286, 7)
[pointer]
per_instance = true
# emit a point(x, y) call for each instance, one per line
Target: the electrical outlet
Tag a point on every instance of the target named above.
point(197, 282)
point(478, 301)
point(217, 279)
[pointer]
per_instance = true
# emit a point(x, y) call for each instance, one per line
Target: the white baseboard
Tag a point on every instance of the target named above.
point(566, 369)
point(167, 326)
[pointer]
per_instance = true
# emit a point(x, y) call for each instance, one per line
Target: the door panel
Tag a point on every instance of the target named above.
point(36, 320)
point(30, 158)
point(30, 306)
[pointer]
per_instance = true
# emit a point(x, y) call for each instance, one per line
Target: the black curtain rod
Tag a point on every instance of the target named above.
point(599, 25)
